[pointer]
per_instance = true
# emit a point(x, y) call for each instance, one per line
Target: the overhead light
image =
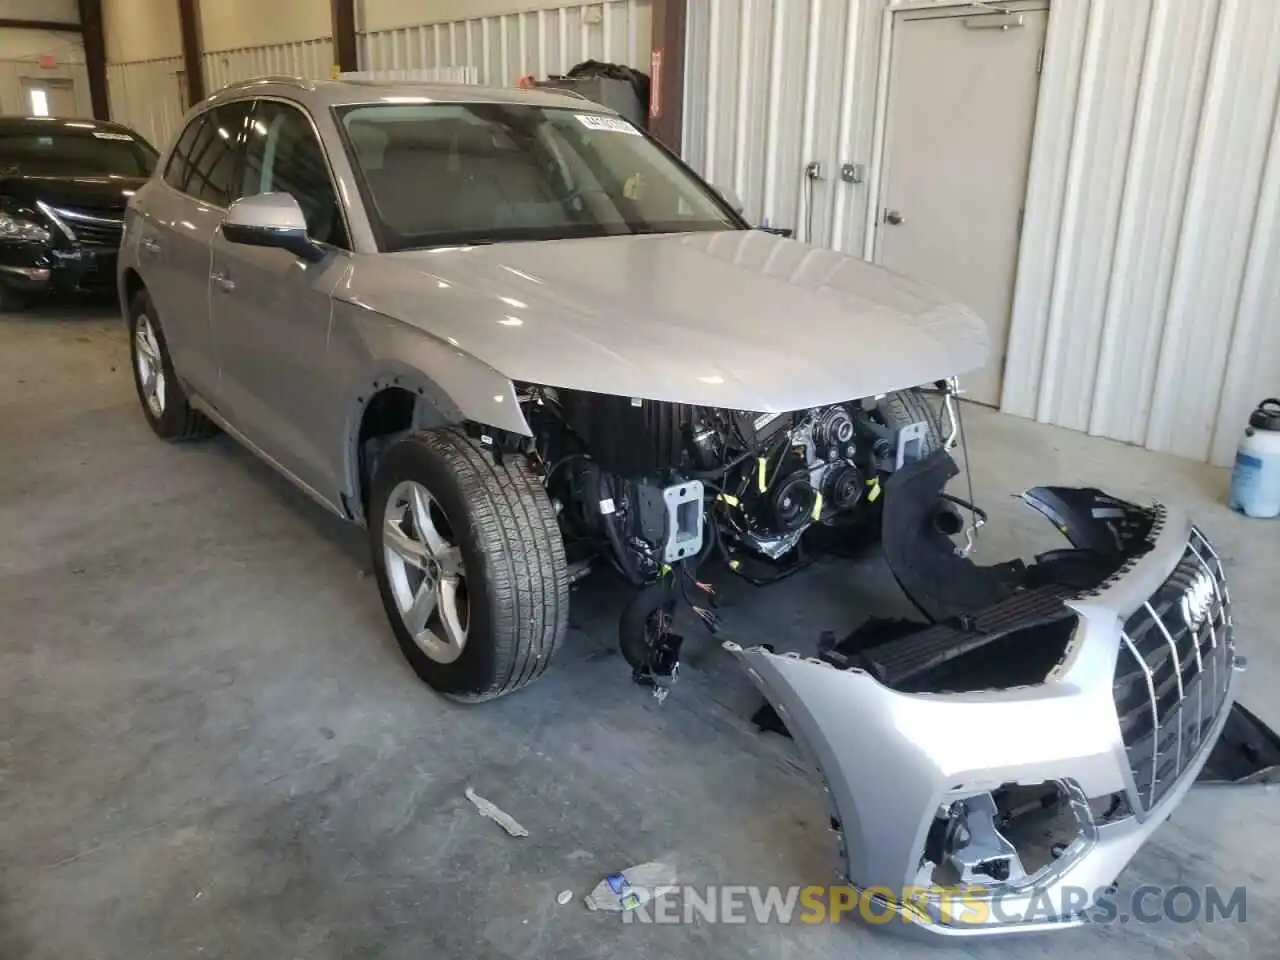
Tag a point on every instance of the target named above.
point(513, 302)
point(510, 321)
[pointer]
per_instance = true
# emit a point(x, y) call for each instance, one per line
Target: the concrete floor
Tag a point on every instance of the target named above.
point(210, 746)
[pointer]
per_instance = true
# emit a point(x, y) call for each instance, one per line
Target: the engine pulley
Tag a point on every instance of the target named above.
point(843, 487)
point(833, 434)
point(791, 502)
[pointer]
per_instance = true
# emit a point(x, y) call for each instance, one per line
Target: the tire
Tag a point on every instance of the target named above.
point(906, 407)
point(859, 530)
point(11, 301)
point(174, 418)
point(512, 579)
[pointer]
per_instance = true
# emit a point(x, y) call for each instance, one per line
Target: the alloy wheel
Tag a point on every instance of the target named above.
point(150, 367)
point(425, 571)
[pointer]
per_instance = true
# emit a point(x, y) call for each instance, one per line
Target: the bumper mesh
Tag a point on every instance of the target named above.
point(1173, 671)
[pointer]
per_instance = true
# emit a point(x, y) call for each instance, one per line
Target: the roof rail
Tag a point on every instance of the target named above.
point(296, 81)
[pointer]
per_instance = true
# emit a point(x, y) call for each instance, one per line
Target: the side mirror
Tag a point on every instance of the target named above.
point(271, 220)
point(731, 198)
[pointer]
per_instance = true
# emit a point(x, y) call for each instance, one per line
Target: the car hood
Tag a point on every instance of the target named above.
point(743, 319)
point(88, 193)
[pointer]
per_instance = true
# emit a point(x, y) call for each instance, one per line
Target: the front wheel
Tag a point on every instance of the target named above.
point(11, 301)
point(469, 562)
point(906, 407)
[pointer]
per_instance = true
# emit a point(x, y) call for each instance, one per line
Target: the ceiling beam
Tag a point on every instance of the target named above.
point(666, 72)
point(95, 56)
point(192, 49)
point(343, 13)
point(11, 23)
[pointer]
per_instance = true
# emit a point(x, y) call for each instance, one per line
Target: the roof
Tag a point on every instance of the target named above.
point(322, 94)
point(65, 124)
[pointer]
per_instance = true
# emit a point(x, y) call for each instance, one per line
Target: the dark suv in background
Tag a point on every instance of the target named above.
point(64, 185)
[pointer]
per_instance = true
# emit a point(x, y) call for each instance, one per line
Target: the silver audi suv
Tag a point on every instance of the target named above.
point(517, 339)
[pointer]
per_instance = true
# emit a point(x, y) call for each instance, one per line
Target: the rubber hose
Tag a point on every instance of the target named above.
point(633, 625)
point(625, 560)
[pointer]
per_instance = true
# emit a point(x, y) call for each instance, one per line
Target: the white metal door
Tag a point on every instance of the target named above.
point(49, 98)
point(961, 113)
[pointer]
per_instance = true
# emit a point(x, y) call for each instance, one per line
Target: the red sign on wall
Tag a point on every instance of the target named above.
point(655, 85)
point(48, 61)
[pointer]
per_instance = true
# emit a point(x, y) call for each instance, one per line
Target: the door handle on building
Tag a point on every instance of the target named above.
point(893, 217)
point(150, 245)
point(225, 283)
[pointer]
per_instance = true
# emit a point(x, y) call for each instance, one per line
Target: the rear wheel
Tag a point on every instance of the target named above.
point(164, 403)
point(470, 564)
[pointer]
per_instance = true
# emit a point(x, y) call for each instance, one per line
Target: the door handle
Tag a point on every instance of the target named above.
point(225, 283)
point(893, 217)
point(150, 245)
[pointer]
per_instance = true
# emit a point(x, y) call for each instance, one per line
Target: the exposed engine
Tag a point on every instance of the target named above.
point(651, 484)
point(655, 489)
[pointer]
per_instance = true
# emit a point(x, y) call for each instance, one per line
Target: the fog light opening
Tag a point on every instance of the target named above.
point(1011, 837)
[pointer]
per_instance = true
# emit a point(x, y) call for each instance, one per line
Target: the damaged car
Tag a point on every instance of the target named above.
point(517, 339)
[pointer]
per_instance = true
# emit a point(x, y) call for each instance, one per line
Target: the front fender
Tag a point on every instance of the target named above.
point(455, 384)
point(452, 386)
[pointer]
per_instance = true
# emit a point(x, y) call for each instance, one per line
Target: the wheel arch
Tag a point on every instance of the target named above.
point(397, 399)
point(130, 285)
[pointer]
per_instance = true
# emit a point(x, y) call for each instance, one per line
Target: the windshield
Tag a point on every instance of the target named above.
point(97, 153)
point(442, 174)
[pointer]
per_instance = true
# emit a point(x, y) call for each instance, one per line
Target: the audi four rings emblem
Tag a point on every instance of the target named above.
point(1198, 600)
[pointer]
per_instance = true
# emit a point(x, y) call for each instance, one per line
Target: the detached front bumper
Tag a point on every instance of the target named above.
point(36, 270)
point(1113, 721)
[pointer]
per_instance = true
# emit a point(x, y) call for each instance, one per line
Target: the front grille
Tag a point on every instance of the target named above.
point(93, 228)
point(1173, 671)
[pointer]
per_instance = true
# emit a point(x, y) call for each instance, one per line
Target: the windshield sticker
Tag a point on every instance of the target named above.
point(102, 135)
point(594, 121)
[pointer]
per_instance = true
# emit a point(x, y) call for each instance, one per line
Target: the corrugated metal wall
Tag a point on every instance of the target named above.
point(506, 47)
point(312, 59)
point(147, 95)
point(771, 85)
point(1149, 289)
point(1148, 297)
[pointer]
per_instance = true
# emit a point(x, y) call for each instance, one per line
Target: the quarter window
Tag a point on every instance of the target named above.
point(284, 156)
point(204, 161)
point(175, 173)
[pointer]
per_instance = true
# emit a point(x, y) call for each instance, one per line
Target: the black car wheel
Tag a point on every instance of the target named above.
point(11, 301)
